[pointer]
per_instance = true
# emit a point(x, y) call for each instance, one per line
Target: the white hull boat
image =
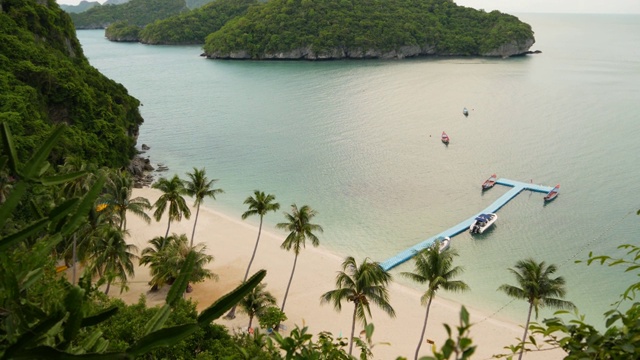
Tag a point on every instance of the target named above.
point(482, 222)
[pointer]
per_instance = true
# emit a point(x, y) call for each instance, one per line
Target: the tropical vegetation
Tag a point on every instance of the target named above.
point(538, 287)
point(362, 285)
point(300, 229)
point(171, 201)
point(435, 268)
point(255, 303)
point(45, 79)
point(326, 29)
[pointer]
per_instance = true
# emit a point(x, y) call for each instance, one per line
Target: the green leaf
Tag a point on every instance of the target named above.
point(63, 209)
point(23, 234)
point(100, 317)
point(61, 179)
point(34, 165)
point(31, 336)
point(230, 299)
point(7, 141)
point(179, 286)
point(158, 320)
point(31, 277)
point(73, 304)
point(12, 202)
point(163, 337)
point(84, 207)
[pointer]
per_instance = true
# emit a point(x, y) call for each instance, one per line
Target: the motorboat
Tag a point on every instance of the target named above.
point(465, 112)
point(445, 138)
point(482, 222)
point(552, 194)
point(488, 184)
point(443, 243)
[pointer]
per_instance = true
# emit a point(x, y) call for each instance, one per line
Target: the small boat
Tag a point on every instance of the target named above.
point(552, 194)
point(445, 138)
point(465, 112)
point(488, 184)
point(443, 243)
point(482, 223)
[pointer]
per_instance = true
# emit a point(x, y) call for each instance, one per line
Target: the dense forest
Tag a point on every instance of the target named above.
point(193, 27)
point(326, 29)
point(134, 12)
point(45, 79)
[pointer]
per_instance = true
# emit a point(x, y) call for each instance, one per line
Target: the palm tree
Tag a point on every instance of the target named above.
point(259, 204)
point(200, 187)
point(362, 285)
point(436, 269)
point(118, 199)
point(166, 256)
point(537, 288)
point(77, 187)
point(256, 301)
point(300, 229)
point(112, 257)
point(173, 190)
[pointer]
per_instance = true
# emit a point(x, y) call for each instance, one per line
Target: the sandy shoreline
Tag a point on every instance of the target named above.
point(231, 240)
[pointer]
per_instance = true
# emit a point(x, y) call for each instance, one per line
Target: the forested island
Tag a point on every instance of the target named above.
point(335, 29)
point(135, 13)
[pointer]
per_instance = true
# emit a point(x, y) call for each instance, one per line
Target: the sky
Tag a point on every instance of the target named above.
point(529, 6)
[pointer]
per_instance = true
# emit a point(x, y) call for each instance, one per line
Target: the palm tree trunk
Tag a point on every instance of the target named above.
point(353, 327)
point(286, 293)
point(232, 313)
point(166, 235)
point(250, 321)
point(246, 274)
point(195, 222)
point(106, 291)
point(526, 328)
point(424, 327)
point(122, 220)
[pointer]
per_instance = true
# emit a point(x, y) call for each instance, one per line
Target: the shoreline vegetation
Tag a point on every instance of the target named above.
point(230, 241)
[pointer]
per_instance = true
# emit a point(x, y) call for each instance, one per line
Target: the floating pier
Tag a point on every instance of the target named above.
point(517, 188)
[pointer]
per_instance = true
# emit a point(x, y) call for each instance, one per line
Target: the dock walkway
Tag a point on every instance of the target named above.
point(517, 187)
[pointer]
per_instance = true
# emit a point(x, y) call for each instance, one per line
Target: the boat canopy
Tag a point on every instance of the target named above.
point(483, 217)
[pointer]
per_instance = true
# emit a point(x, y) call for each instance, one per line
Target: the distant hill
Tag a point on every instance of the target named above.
point(335, 29)
point(45, 80)
point(193, 27)
point(82, 7)
point(134, 12)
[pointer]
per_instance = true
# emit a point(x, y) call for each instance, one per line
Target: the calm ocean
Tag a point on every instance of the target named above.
point(359, 141)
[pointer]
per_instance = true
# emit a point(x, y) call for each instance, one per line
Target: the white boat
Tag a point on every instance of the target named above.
point(465, 112)
point(443, 243)
point(482, 223)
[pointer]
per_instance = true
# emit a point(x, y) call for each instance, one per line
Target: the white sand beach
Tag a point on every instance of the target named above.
point(231, 240)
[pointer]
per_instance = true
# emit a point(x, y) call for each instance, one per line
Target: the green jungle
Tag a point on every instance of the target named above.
point(68, 133)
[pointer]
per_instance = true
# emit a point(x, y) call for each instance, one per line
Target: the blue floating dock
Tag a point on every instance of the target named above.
point(517, 188)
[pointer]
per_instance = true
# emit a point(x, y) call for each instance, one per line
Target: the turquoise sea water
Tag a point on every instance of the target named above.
point(359, 141)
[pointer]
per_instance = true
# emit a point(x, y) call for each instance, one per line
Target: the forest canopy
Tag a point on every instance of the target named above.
point(45, 79)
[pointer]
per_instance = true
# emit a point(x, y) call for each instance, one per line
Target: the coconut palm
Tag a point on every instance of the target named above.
point(166, 256)
point(112, 258)
point(301, 229)
point(538, 288)
point(259, 204)
point(435, 269)
point(76, 187)
point(256, 301)
point(361, 285)
point(171, 200)
point(118, 199)
point(199, 187)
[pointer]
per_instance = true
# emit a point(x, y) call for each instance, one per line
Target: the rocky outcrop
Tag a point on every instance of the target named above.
point(511, 49)
point(306, 53)
point(140, 168)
